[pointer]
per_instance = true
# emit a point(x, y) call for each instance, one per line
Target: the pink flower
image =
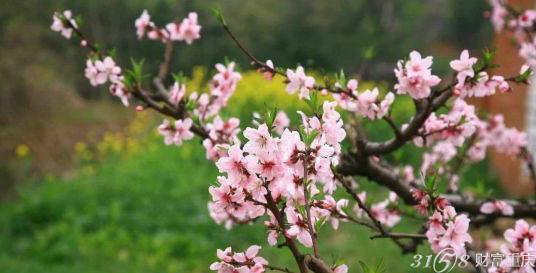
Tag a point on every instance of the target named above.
point(177, 133)
point(369, 105)
point(142, 23)
point(290, 146)
point(456, 235)
point(528, 52)
point(222, 86)
point(527, 19)
point(281, 122)
point(464, 67)
point(59, 25)
point(385, 215)
point(485, 86)
point(521, 232)
point(224, 131)
point(92, 74)
point(176, 93)
point(182, 130)
point(341, 269)
point(298, 227)
point(267, 73)
point(188, 30)
point(347, 99)
point(498, 14)
point(260, 141)
point(118, 89)
point(235, 164)
point(435, 224)
point(497, 206)
point(99, 72)
point(415, 76)
point(239, 262)
point(298, 81)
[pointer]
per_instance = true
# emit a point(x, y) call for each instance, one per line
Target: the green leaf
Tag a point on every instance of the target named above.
point(219, 16)
point(314, 102)
point(270, 117)
point(364, 267)
point(524, 77)
point(341, 78)
point(311, 137)
point(179, 77)
point(380, 267)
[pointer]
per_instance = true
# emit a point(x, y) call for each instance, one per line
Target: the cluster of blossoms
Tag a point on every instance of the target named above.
point(470, 86)
point(367, 103)
point(446, 230)
point(64, 23)
point(450, 131)
point(415, 76)
point(521, 24)
point(288, 175)
point(222, 133)
point(99, 72)
point(299, 81)
point(177, 132)
point(222, 87)
point(497, 206)
point(187, 30)
point(386, 212)
point(519, 250)
point(207, 106)
point(494, 133)
point(239, 262)
point(273, 169)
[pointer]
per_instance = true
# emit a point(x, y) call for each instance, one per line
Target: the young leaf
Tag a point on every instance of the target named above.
point(219, 16)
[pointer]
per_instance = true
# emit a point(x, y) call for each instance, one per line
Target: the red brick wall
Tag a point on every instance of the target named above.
point(512, 106)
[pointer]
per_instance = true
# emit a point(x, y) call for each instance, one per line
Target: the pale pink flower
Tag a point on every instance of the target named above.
point(527, 18)
point(118, 89)
point(92, 74)
point(239, 262)
point(107, 70)
point(176, 93)
point(260, 142)
point(281, 122)
point(298, 81)
point(384, 214)
point(464, 67)
point(528, 52)
point(415, 76)
point(188, 30)
point(456, 235)
point(498, 14)
point(341, 269)
point(521, 232)
point(298, 227)
point(182, 130)
point(268, 74)
point(59, 24)
point(142, 23)
point(497, 206)
point(235, 164)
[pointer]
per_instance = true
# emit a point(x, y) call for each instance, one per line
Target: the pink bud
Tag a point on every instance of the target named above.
point(139, 108)
point(83, 43)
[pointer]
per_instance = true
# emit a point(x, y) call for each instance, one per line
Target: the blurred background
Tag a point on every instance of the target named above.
point(86, 185)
